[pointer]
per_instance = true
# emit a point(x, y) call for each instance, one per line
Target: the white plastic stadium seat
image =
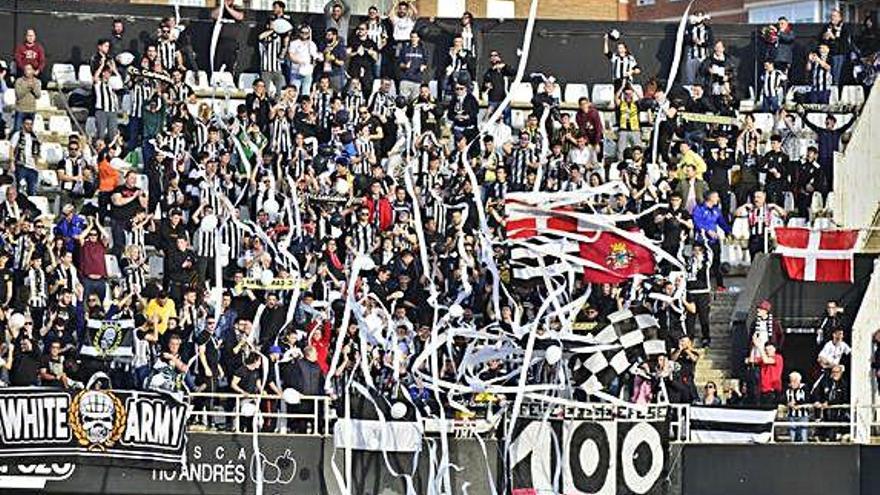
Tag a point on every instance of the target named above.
point(432, 86)
point(64, 74)
point(797, 222)
point(48, 179)
point(85, 74)
point(246, 80)
point(823, 223)
point(39, 124)
point(42, 204)
point(60, 124)
point(853, 95)
point(9, 98)
point(44, 102)
point(639, 91)
point(603, 95)
point(222, 80)
point(834, 99)
point(126, 103)
point(52, 153)
point(5, 151)
point(576, 91)
point(518, 118)
point(763, 121)
point(522, 93)
point(112, 263)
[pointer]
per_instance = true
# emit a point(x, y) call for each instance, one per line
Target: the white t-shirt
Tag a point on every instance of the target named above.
point(832, 353)
point(403, 27)
point(302, 50)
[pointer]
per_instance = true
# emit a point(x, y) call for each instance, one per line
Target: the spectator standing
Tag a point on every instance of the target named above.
point(335, 56)
point(337, 14)
point(760, 215)
point(273, 48)
point(106, 102)
point(413, 63)
point(226, 53)
point(832, 399)
point(771, 365)
point(698, 39)
point(629, 131)
point(363, 57)
point(30, 52)
point(28, 89)
point(623, 64)
point(828, 140)
point(837, 36)
point(699, 291)
point(25, 153)
point(710, 225)
point(821, 75)
point(302, 54)
point(797, 398)
point(126, 200)
point(783, 48)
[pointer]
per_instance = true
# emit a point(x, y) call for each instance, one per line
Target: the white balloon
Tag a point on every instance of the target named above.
point(291, 396)
point(125, 58)
point(398, 410)
point(553, 354)
point(456, 311)
point(209, 222)
point(282, 26)
point(271, 206)
point(342, 187)
point(266, 277)
point(16, 321)
point(248, 408)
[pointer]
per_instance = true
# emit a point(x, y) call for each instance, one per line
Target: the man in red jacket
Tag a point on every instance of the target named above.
point(30, 52)
point(589, 123)
point(771, 364)
point(379, 205)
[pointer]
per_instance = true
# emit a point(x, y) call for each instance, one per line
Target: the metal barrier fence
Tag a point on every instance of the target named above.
point(314, 415)
point(234, 412)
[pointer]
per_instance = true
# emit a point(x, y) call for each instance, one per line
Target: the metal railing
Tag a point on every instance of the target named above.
point(314, 415)
point(229, 412)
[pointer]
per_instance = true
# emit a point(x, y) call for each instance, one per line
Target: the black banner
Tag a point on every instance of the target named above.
point(121, 426)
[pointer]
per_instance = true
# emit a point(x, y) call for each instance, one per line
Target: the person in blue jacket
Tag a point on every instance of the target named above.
point(708, 219)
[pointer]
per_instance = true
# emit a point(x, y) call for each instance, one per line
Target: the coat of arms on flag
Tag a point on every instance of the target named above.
point(817, 255)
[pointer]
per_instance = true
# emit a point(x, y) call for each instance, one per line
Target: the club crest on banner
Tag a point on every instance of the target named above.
point(108, 338)
point(620, 256)
point(97, 418)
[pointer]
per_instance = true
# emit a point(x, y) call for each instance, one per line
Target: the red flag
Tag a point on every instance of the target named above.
point(816, 255)
point(622, 257)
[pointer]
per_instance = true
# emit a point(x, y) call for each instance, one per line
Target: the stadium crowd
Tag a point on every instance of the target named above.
point(309, 173)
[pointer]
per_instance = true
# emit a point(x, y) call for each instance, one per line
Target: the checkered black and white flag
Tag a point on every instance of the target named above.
point(634, 340)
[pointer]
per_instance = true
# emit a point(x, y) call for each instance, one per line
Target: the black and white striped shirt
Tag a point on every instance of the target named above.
point(700, 46)
point(621, 66)
point(231, 234)
point(773, 84)
point(365, 149)
point(281, 134)
point(134, 276)
point(167, 54)
point(519, 165)
point(821, 77)
point(354, 100)
point(105, 98)
point(205, 243)
point(382, 104)
point(323, 108)
point(175, 145)
point(37, 284)
point(270, 54)
point(73, 167)
point(141, 93)
point(364, 237)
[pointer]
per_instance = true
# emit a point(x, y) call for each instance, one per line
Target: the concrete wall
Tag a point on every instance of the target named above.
point(856, 181)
